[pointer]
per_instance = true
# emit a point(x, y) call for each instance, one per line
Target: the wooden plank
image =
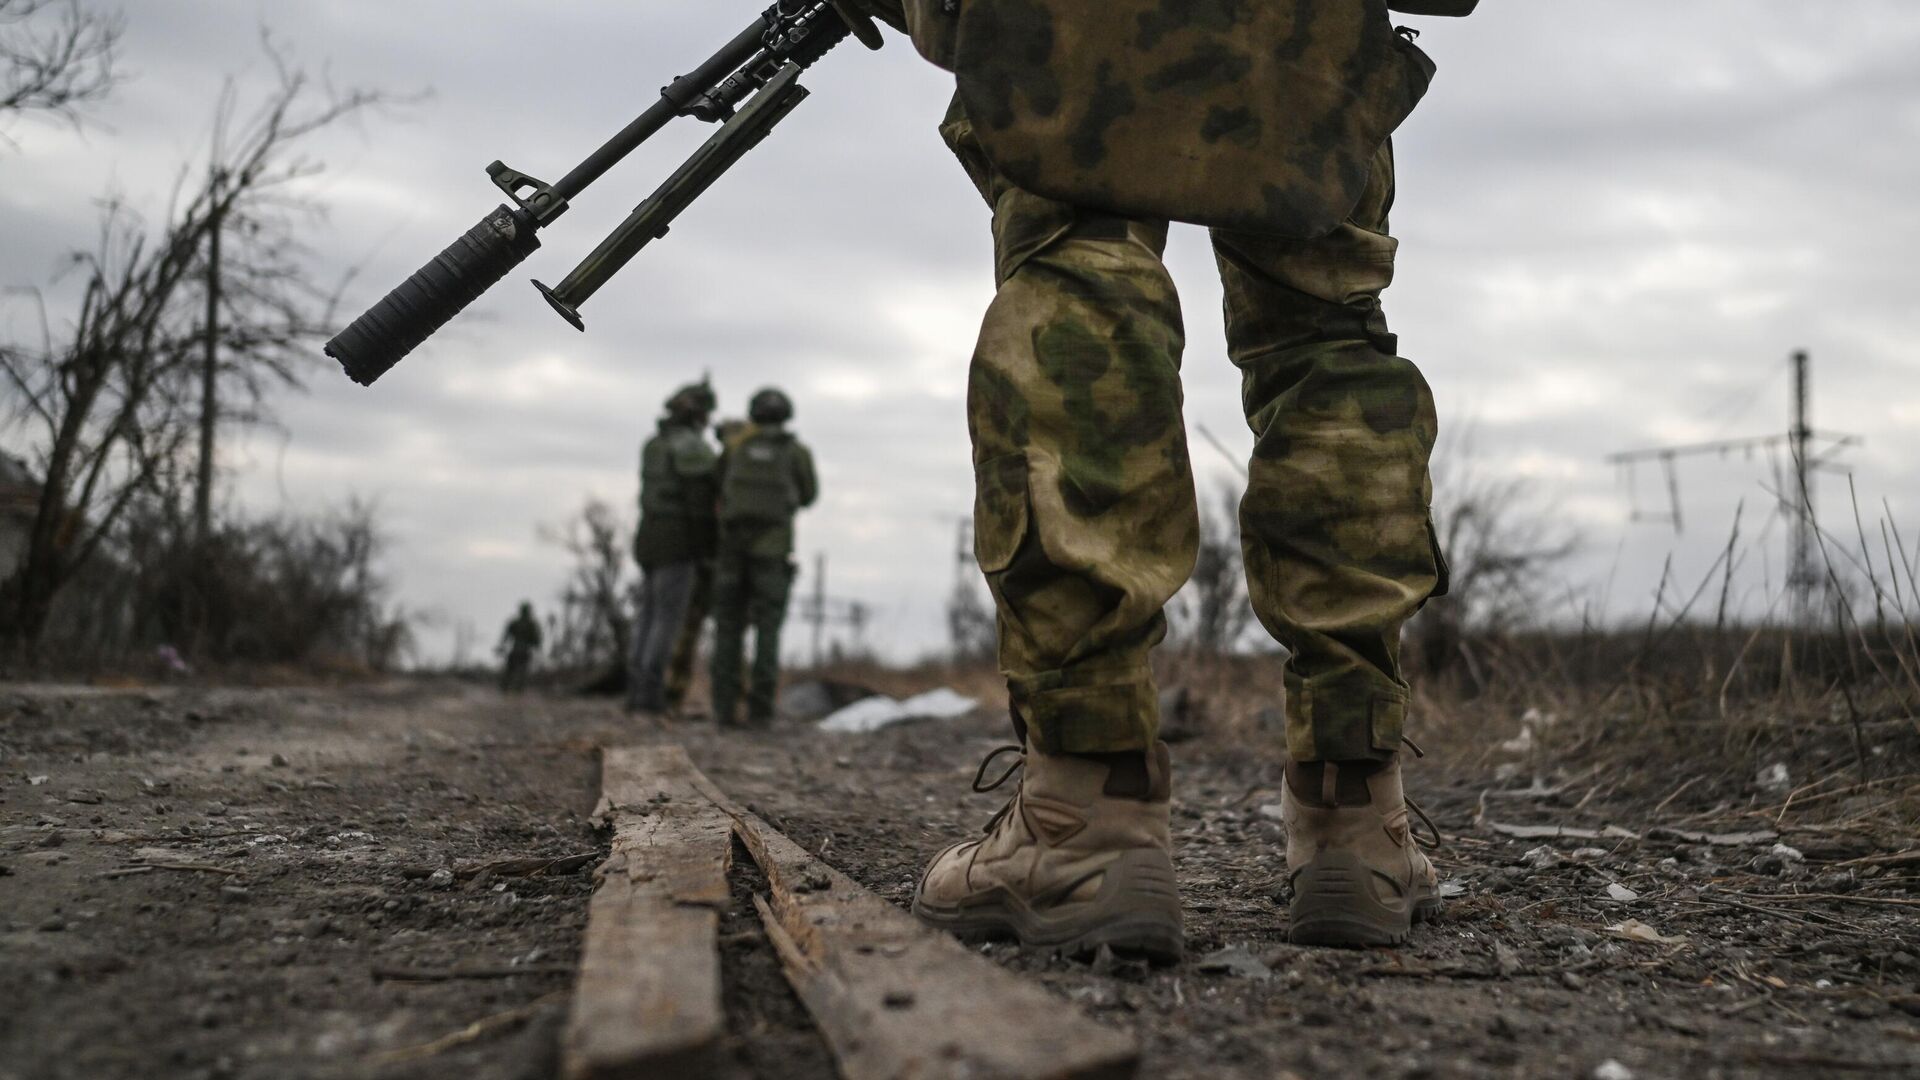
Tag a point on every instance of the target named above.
point(896, 999)
point(648, 999)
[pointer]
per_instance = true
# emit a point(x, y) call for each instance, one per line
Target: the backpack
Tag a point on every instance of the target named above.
point(759, 484)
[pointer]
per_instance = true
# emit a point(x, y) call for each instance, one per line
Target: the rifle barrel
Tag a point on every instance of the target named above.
point(673, 98)
point(651, 219)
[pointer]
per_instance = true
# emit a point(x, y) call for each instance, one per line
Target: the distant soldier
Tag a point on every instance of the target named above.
point(766, 476)
point(675, 539)
point(520, 640)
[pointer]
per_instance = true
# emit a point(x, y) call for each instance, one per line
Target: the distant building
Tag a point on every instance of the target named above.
point(19, 500)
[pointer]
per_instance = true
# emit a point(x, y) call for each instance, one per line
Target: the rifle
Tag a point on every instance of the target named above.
point(748, 87)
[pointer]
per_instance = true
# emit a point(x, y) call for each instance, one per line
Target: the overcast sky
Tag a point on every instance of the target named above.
point(1619, 218)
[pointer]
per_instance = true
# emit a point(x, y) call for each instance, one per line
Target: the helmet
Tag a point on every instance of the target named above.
point(770, 406)
point(693, 399)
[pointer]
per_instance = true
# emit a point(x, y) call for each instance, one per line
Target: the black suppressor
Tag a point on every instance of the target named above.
point(435, 293)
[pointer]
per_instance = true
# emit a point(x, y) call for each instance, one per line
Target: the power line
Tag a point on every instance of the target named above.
point(1803, 579)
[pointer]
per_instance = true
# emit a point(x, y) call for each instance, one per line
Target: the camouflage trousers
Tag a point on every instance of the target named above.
point(749, 590)
point(1085, 523)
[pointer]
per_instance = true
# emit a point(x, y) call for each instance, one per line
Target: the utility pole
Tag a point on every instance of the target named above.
point(819, 611)
point(969, 623)
point(210, 370)
point(1803, 578)
point(1803, 581)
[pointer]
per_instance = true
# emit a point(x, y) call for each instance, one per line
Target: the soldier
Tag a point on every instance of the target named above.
point(520, 640)
point(766, 476)
point(675, 540)
point(699, 606)
point(1086, 128)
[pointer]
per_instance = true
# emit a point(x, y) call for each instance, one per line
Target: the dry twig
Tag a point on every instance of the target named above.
point(473, 1032)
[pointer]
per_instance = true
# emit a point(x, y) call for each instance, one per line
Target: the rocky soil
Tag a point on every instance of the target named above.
point(391, 881)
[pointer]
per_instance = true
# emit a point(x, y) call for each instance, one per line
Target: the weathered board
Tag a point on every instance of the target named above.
point(895, 999)
point(647, 1003)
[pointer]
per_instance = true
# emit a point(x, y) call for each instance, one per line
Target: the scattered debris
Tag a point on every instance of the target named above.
point(1612, 1070)
point(1621, 892)
point(36, 781)
point(172, 664)
point(477, 1030)
point(1778, 860)
point(1735, 839)
point(1635, 930)
point(1774, 779)
point(1519, 744)
point(1541, 858)
point(1531, 721)
point(189, 868)
point(520, 867)
point(1560, 832)
point(1234, 960)
point(878, 711)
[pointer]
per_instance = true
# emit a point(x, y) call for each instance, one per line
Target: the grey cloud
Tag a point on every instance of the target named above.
point(1650, 202)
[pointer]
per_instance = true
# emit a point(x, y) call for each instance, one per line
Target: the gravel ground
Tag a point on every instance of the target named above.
point(269, 883)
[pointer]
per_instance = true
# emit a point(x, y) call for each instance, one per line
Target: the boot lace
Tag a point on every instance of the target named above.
point(980, 784)
point(980, 774)
point(1436, 841)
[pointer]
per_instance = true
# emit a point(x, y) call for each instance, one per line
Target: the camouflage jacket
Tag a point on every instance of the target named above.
point(678, 474)
point(1256, 115)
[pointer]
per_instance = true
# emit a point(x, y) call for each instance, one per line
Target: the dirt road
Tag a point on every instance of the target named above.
point(278, 883)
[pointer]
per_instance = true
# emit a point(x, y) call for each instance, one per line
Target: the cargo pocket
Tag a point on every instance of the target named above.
point(999, 511)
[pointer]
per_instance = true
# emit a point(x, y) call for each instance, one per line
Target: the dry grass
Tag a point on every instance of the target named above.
point(1681, 731)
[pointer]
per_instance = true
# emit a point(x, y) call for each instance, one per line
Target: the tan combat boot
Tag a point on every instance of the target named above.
point(1081, 857)
point(1358, 878)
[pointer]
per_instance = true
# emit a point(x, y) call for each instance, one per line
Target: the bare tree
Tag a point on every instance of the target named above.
point(1222, 611)
point(1214, 613)
point(56, 56)
point(262, 312)
point(111, 402)
point(972, 631)
point(591, 628)
point(1502, 543)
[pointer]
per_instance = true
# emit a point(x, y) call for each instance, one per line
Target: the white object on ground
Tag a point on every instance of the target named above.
point(1774, 778)
point(874, 713)
point(1621, 892)
point(1612, 1070)
point(1639, 931)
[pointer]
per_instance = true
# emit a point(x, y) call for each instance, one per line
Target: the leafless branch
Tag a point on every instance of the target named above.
point(116, 392)
point(56, 56)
